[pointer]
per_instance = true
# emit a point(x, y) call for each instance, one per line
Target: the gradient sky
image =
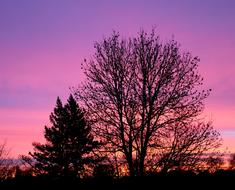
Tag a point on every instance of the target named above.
point(43, 42)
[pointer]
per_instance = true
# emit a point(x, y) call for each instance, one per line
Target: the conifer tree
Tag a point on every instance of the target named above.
point(69, 142)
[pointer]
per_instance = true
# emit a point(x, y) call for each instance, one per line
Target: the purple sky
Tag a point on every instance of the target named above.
point(43, 42)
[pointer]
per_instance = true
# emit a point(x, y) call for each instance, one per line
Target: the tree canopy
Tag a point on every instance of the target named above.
point(145, 98)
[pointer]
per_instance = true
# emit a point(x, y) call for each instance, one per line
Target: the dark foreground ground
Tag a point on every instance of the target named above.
point(169, 181)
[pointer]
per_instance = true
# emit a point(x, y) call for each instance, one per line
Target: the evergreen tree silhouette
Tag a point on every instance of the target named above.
point(68, 142)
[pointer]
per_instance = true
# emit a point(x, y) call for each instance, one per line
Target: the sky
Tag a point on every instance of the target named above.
point(43, 43)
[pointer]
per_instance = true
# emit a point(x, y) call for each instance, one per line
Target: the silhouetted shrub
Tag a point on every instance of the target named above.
point(104, 170)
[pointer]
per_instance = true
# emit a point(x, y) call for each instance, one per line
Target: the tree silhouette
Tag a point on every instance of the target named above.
point(138, 88)
point(184, 147)
point(5, 163)
point(214, 163)
point(232, 161)
point(104, 170)
point(68, 142)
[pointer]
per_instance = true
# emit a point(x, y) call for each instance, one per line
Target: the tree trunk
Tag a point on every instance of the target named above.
point(141, 164)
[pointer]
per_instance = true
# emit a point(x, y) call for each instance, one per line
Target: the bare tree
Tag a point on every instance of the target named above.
point(138, 88)
point(214, 163)
point(184, 146)
point(5, 163)
point(232, 161)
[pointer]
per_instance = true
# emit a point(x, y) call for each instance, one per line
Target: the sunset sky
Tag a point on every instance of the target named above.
point(43, 42)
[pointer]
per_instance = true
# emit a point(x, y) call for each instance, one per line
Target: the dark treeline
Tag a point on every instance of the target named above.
point(171, 180)
point(137, 119)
